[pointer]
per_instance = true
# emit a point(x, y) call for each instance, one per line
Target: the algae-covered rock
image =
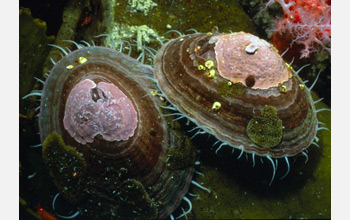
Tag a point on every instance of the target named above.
point(241, 191)
point(70, 19)
point(163, 15)
point(33, 51)
point(149, 22)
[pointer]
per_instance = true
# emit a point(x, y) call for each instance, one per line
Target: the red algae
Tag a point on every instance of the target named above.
point(306, 23)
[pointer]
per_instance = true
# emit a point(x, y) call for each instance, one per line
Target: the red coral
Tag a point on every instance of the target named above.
point(305, 23)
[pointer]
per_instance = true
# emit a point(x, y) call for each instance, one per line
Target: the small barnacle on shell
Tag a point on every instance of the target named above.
point(216, 106)
point(283, 88)
point(201, 67)
point(82, 60)
point(211, 73)
point(69, 67)
point(209, 64)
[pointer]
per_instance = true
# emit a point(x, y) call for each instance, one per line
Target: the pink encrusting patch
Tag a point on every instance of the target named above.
point(99, 109)
point(245, 58)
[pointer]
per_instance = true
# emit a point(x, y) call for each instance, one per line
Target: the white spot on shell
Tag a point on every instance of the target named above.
point(251, 48)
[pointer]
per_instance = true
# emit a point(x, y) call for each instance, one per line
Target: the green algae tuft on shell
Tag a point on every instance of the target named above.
point(66, 165)
point(266, 129)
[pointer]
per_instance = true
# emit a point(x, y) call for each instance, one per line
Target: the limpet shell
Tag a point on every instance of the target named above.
point(263, 109)
point(106, 143)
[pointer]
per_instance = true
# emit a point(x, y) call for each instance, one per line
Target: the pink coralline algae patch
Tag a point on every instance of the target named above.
point(245, 58)
point(99, 109)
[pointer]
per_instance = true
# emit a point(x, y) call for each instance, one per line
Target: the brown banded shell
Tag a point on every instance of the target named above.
point(106, 142)
point(254, 102)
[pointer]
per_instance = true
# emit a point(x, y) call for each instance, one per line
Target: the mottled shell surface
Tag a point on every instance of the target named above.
point(238, 88)
point(105, 140)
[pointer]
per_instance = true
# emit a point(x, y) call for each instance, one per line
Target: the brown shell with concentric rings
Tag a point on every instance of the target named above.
point(106, 143)
point(238, 88)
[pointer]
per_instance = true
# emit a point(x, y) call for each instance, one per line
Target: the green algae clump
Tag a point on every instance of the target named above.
point(120, 196)
point(137, 203)
point(183, 152)
point(65, 164)
point(266, 129)
point(182, 156)
point(230, 88)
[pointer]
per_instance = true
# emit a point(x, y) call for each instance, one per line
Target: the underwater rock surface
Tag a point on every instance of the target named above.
point(33, 51)
point(239, 190)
